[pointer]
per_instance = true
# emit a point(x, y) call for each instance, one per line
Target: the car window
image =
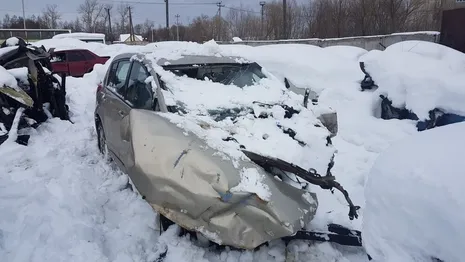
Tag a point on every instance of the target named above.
point(59, 57)
point(75, 56)
point(87, 55)
point(240, 75)
point(139, 93)
point(117, 76)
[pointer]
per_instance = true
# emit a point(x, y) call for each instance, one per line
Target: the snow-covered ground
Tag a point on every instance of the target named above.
point(60, 201)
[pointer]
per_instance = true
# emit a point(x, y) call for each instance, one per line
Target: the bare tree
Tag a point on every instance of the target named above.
point(306, 19)
point(243, 23)
point(91, 12)
point(51, 16)
point(123, 12)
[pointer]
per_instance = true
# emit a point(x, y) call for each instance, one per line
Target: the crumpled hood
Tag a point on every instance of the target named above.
point(237, 204)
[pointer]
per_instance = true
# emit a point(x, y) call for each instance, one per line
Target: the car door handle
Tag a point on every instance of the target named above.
point(122, 113)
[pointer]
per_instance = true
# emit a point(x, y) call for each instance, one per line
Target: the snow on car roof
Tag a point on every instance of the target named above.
point(79, 35)
point(199, 59)
point(185, 59)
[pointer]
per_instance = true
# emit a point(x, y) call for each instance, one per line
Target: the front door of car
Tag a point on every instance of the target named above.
point(59, 64)
point(76, 63)
point(114, 107)
point(138, 95)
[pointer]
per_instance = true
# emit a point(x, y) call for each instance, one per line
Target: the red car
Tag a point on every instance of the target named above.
point(76, 62)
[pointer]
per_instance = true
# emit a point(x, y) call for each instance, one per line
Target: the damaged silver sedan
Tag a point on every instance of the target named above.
point(219, 146)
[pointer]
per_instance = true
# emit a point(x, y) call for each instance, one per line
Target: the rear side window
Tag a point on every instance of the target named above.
point(59, 57)
point(87, 55)
point(118, 74)
point(75, 56)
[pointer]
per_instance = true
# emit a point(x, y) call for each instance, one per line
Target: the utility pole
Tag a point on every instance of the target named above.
point(109, 23)
point(177, 27)
point(131, 29)
point(284, 20)
point(219, 4)
point(262, 3)
point(167, 21)
point(24, 20)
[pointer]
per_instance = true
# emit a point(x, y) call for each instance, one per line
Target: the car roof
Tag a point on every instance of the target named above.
point(67, 50)
point(188, 59)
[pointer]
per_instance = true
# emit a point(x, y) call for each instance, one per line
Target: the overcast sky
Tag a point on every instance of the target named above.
point(154, 12)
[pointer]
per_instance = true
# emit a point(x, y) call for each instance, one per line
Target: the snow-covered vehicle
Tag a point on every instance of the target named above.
point(419, 81)
point(219, 146)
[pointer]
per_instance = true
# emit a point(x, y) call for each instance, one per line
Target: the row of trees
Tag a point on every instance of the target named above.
point(314, 18)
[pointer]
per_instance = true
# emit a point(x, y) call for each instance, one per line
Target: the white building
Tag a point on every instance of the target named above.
point(124, 38)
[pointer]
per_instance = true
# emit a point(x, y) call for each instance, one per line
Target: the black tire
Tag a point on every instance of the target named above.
point(165, 222)
point(101, 141)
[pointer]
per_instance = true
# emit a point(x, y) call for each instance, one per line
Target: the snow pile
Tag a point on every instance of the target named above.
point(237, 39)
point(415, 209)
point(348, 52)
point(306, 66)
point(454, 58)
point(431, 77)
point(172, 50)
point(7, 79)
point(12, 41)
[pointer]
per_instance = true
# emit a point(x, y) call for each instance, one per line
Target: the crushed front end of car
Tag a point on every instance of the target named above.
point(231, 154)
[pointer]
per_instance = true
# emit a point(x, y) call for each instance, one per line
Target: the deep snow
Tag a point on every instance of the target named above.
point(414, 199)
point(59, 200)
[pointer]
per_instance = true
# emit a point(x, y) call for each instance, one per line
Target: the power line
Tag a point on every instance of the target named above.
point(220, 5)
point(241, 10)
point(158, 3)
point(177, 26)
point(258, 12)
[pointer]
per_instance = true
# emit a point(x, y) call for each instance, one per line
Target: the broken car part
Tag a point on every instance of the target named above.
point(41, 94)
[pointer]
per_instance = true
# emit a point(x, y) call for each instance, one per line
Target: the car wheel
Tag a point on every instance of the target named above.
point(102, 144)
point(165, 222)
point(201, 240)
